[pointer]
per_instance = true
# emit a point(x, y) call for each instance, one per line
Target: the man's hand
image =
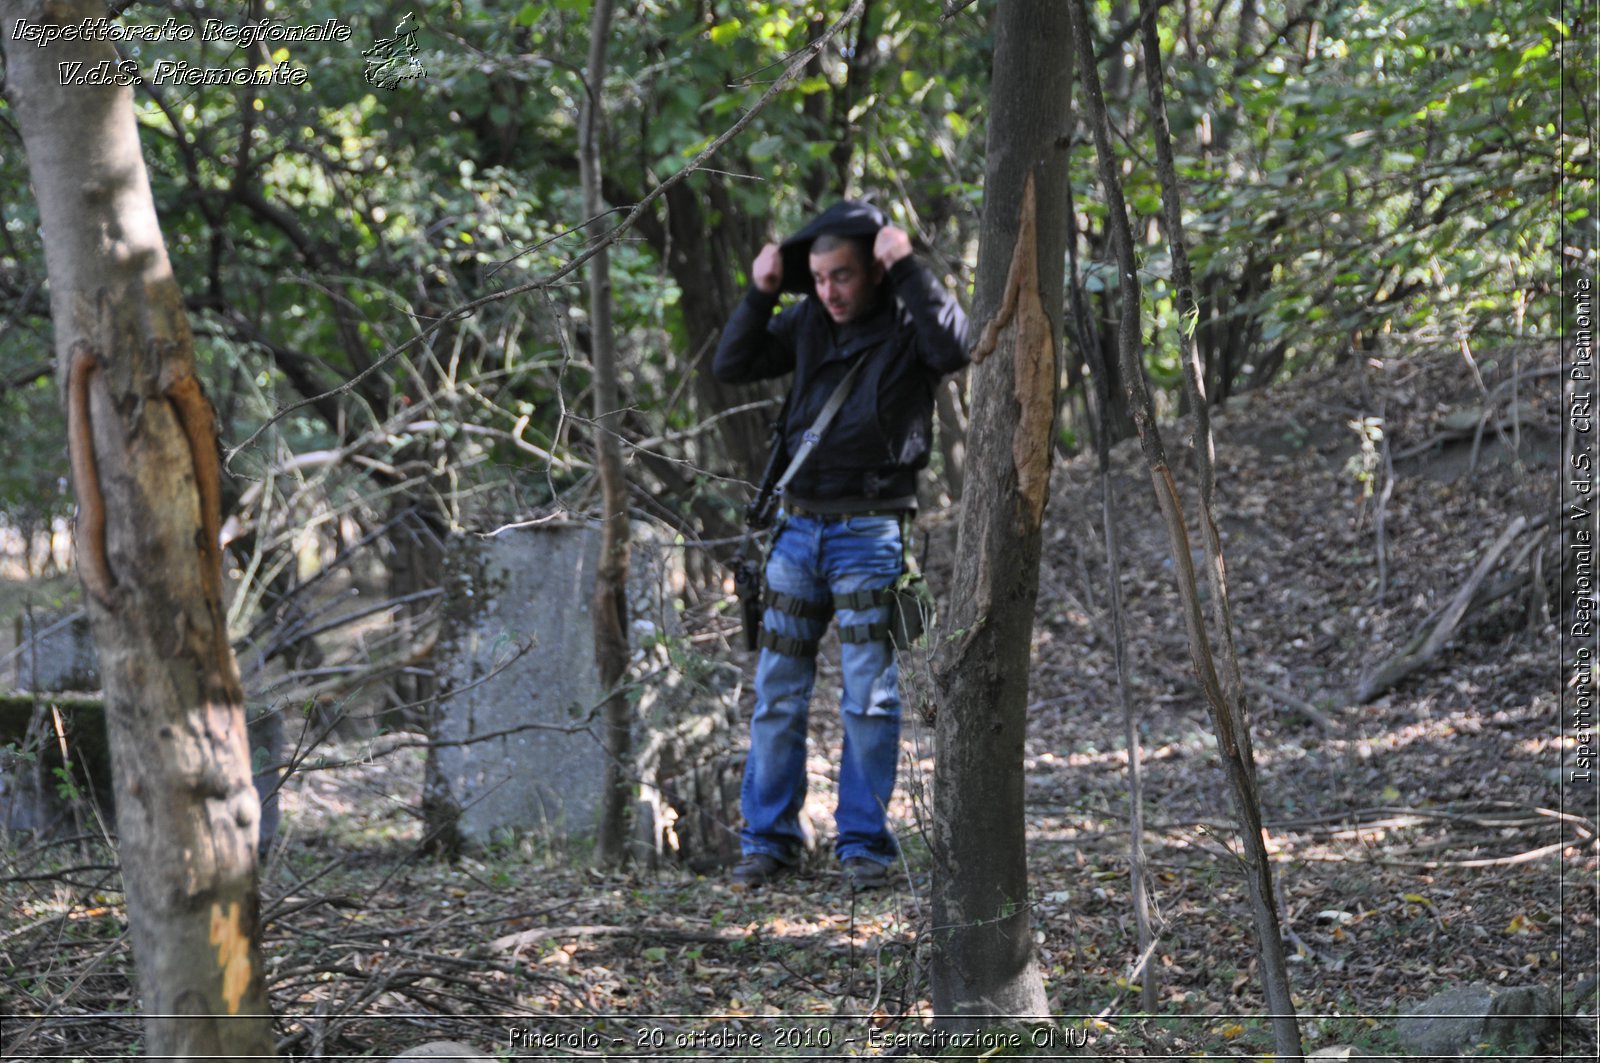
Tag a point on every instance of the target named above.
point(891, 246)
point(767, 273)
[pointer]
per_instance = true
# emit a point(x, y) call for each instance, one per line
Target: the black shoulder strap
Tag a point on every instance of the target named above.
point(813, 435)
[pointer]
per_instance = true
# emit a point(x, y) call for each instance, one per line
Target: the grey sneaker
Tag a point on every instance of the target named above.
point(756, 869)
point(861, 873)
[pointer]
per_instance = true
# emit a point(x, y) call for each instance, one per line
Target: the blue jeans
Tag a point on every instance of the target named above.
point(814, 559)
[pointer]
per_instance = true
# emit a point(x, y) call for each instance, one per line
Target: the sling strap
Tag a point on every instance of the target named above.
point(813, 435)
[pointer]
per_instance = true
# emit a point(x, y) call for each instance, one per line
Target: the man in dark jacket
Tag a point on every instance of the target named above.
point(838, 547)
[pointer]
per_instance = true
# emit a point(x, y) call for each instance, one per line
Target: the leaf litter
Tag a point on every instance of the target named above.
point(1421, 839)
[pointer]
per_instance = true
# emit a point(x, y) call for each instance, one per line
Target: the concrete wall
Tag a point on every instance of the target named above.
point(516, 660)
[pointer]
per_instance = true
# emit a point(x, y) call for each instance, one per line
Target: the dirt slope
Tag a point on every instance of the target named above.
point(1413, 849)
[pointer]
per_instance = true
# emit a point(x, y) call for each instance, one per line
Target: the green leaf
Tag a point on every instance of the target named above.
point(724, 32)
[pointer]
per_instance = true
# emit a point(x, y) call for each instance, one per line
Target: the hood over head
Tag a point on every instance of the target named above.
point(848, 217)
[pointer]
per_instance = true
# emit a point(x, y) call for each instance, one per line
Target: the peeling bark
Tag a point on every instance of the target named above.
point(91, 520)
point(1033, 363)
point(1035, 376)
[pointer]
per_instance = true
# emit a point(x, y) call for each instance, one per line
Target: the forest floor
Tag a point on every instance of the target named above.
point(1422, 836)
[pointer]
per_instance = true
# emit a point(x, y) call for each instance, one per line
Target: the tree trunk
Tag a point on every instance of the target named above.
point(421, 520)
point(145, 470)
point(703, 225)
point(610, 605)
point(985, 967)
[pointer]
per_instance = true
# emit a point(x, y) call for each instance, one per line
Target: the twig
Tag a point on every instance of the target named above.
point(1489, 414)
point(488, 920)
point(1452, 435)
point(1397, 816)
point(700, 428)
point(343, 558)
point(293, 634)
point(1585, 825)
point(60, 875)
point(1381, 511)
point(34, 637)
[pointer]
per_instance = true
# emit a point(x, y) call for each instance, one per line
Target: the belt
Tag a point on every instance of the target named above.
point(802, 511)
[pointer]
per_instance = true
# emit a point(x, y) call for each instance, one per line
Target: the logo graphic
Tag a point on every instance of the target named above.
point(392, 61)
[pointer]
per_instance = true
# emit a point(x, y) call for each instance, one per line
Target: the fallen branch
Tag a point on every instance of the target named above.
point(1456, 433)
point(1441, 865)
point(1431, 639)
point(1295, 702)
point(1390, 817)
point(523, 938)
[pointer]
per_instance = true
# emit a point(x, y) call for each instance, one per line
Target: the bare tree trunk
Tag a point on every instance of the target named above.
point(610, 604)
point(421, 520)
point(984, 969)
point(1224, 706)
point(145, 469)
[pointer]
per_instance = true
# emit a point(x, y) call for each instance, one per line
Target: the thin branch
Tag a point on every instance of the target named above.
point(952, 8)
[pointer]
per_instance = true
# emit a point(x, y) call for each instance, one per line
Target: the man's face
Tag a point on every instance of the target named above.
point(847, 287)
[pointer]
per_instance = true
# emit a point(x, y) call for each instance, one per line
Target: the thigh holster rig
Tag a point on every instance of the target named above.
point(873, 598)
point(805, 609)
point(800, 608)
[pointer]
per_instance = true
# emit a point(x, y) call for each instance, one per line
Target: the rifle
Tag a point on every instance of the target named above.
point(758, 517)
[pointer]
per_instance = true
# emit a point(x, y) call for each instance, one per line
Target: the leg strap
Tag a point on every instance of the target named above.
point(803, 608)
point(875, 632)
point(869, 598)
point(789, 647)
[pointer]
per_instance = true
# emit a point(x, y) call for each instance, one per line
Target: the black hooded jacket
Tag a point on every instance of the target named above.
point(870, 455)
